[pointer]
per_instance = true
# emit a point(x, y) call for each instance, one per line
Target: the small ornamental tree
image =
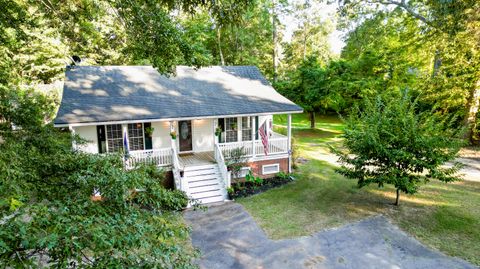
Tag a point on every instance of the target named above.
point(389, 142)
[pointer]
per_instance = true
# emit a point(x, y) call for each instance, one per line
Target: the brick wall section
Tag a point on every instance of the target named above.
point(257, 166)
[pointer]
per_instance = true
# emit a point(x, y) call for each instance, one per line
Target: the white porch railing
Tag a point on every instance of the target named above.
point(277, 144)
point(221, 165)
point(159, 157)
point(177, 177)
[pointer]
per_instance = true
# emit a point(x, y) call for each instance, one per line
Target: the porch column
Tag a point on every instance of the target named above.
point(254, 127)
point(72, 132)
point(289, 141)
point(172, 128)
point(215, 125)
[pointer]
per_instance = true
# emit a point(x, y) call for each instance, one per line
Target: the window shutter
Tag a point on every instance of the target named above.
point(148, 139)
point(101, 139)
point(256, 128)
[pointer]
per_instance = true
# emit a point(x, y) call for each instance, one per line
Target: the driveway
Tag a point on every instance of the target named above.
point(228, 237)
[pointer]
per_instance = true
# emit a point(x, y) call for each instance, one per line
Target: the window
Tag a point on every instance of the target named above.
point(246, 128)
point(244, 171)
point(135, 136)
point(114, 138)
point(231, 134)
point(270, 169)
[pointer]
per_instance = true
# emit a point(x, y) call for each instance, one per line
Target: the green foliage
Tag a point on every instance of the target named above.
point(283, 175)
point(253, 179)
point(390, 143)
point(48, 216)
point(430, 47)
point(236, 160)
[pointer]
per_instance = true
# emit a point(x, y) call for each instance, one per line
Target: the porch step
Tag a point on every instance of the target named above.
point(202, 177)
point(205, 188)
point(214, 199)
point(210, 171)
point(200, 183)
point(199, 167)
point(206, 194)
point(205, 183)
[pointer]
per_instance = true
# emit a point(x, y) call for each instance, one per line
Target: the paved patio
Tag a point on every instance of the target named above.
point(228, 237)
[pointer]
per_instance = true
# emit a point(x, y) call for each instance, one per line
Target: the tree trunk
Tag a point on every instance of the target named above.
point(274, 41)
point(304, 52)
point(312, 119)
point(397, 200)
point(472, 106)
point(219, 41)
point(437, 62)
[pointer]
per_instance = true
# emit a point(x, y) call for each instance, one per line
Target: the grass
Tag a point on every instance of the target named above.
point(443, 216)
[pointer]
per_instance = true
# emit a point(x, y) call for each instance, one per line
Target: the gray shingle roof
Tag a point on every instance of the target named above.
point(120, 93)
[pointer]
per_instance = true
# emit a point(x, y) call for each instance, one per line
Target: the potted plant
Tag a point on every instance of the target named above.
point(218, 131)
point(149, 131)
point(173, 135)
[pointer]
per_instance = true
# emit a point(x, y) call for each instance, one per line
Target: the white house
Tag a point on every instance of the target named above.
point(211, 111)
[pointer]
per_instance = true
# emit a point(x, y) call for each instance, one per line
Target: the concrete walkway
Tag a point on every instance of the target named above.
point(228, 237)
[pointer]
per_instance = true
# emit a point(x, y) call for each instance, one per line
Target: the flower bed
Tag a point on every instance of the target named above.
point(247, 188)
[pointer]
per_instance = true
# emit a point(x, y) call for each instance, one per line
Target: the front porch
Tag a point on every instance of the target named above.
point(198, 151)
point(277, 146)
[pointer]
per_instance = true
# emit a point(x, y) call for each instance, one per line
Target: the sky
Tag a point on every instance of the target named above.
point(324, 11)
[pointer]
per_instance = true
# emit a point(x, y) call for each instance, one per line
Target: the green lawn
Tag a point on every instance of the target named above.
point(443, 216)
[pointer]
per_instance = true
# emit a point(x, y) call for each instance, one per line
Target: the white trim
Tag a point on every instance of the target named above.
point(277, 165)
point(268, 157)
point(178, 137)
point(143, 135)
point(244, 171)
point(289, 142)
point(174, 119)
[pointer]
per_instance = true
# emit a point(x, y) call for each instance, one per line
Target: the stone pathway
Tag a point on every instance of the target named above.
point(228, 237)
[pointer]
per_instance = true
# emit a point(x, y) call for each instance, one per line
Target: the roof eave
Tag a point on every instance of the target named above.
point(173, 119)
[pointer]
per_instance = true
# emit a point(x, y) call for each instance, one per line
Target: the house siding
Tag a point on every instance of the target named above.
point(89, 133)
point(203, 136)
point(161, 135)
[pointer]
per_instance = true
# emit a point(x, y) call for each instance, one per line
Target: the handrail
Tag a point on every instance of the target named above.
point(176, 170)
point(276, 145)
point(159, 157)
point(221, 165)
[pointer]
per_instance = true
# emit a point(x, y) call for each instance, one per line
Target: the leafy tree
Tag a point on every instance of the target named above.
point(388, 142)
point(303, 87)
point(310, 38)
point(48, 218)
point(449, 31)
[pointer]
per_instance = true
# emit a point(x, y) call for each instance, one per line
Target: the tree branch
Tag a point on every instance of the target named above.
point(402, 4)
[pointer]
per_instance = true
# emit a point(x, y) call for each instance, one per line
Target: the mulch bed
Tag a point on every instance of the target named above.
point(244, 189)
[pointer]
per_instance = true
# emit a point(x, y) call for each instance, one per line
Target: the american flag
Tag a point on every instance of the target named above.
point(263, 134)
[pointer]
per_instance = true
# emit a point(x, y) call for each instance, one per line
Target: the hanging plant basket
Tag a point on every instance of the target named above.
point(173, 135)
